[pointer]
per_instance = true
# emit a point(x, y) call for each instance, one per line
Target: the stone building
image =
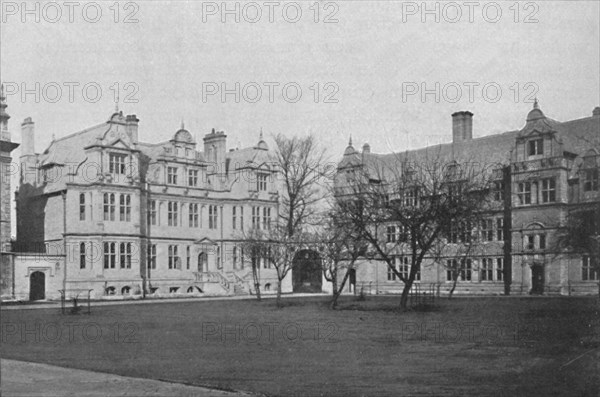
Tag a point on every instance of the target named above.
point(543, 170)
point(135, 218)
point(6, 147)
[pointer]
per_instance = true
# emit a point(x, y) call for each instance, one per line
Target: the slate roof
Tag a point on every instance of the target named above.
point(577, 136)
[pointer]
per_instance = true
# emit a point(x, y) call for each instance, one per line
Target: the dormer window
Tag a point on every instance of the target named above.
point(535, 147)
point(117, 163)
point(261, 182)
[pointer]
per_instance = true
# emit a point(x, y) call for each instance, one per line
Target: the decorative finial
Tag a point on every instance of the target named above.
point(53, 137)
point(182, 124)
point(117, 104)
point(261, 134)
point(350, 141)
point(535, 103)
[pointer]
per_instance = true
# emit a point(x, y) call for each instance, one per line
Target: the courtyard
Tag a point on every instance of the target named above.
point(493, 346)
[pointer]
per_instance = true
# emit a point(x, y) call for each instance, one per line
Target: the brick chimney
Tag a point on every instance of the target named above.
point(462, 126)
point(596, 112)
point(27, 137)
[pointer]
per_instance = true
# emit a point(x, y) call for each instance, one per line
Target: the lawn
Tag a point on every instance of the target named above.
point(465, 346)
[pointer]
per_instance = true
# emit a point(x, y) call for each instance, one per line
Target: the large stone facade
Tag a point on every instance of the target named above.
point(7, 276)
point(543, 170)
point(135, 218)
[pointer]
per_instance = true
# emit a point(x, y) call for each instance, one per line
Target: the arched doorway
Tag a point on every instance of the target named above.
point(202, 262)
point(306, 272)
point(37, 286)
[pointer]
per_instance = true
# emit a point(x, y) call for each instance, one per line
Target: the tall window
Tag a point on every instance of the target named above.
point(487, 269)
point(172, 213)
point(152, 213)
point(152, 256)
point(82, 207)
point(234, 257)
point(487, 230)
point(125, 255)
point(390, 234)
point(500, 229)
point(465, 230)
point(524, 193)
point(173, 259)
point(110, 255)
point(82, 255)
point(193, 216)
point(192, 177)
point(219, 262)
point(535, 147)
point(261, 182)
point(453, 233)
point(462, 272)
point(234, 218)
point(266, 218)
point(213, 217)
point(117, 163)
point(465, 269)
point(256, 217)
point(404, 268)
point(410, 197)
point(548, 190)
point(125, 208)
point(109, 206)
point(530, 242)
point(188, 257)
point(542, 241)
point(498, 190)
point(391, 276)
point(588, 273)
point(242, 218)
point(499, 269)
point(590, 180)
point(172, 175)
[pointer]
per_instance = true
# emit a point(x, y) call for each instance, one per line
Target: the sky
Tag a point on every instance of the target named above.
point(361, 67)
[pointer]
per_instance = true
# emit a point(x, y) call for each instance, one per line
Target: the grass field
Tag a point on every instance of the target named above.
point(465, 346)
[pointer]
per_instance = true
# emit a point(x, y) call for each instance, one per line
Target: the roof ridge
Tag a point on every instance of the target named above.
point(79, 132)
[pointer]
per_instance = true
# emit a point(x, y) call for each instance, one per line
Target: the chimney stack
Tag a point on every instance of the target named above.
point(462, 126)
point(366, 148)
point(27, 137)
point(131, 126)
point(596, 112)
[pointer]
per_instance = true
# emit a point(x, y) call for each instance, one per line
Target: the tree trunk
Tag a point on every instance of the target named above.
point(453, 287)
point(279, 294)
point(338, 292)
point(334, 282)
point(405, 292)
point(256, 282)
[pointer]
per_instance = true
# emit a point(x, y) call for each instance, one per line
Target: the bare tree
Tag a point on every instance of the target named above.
point(275, 248)
point(340, 245)
point(302, 169)
point(250, 252)
point(455, 257)
point(404, 206)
